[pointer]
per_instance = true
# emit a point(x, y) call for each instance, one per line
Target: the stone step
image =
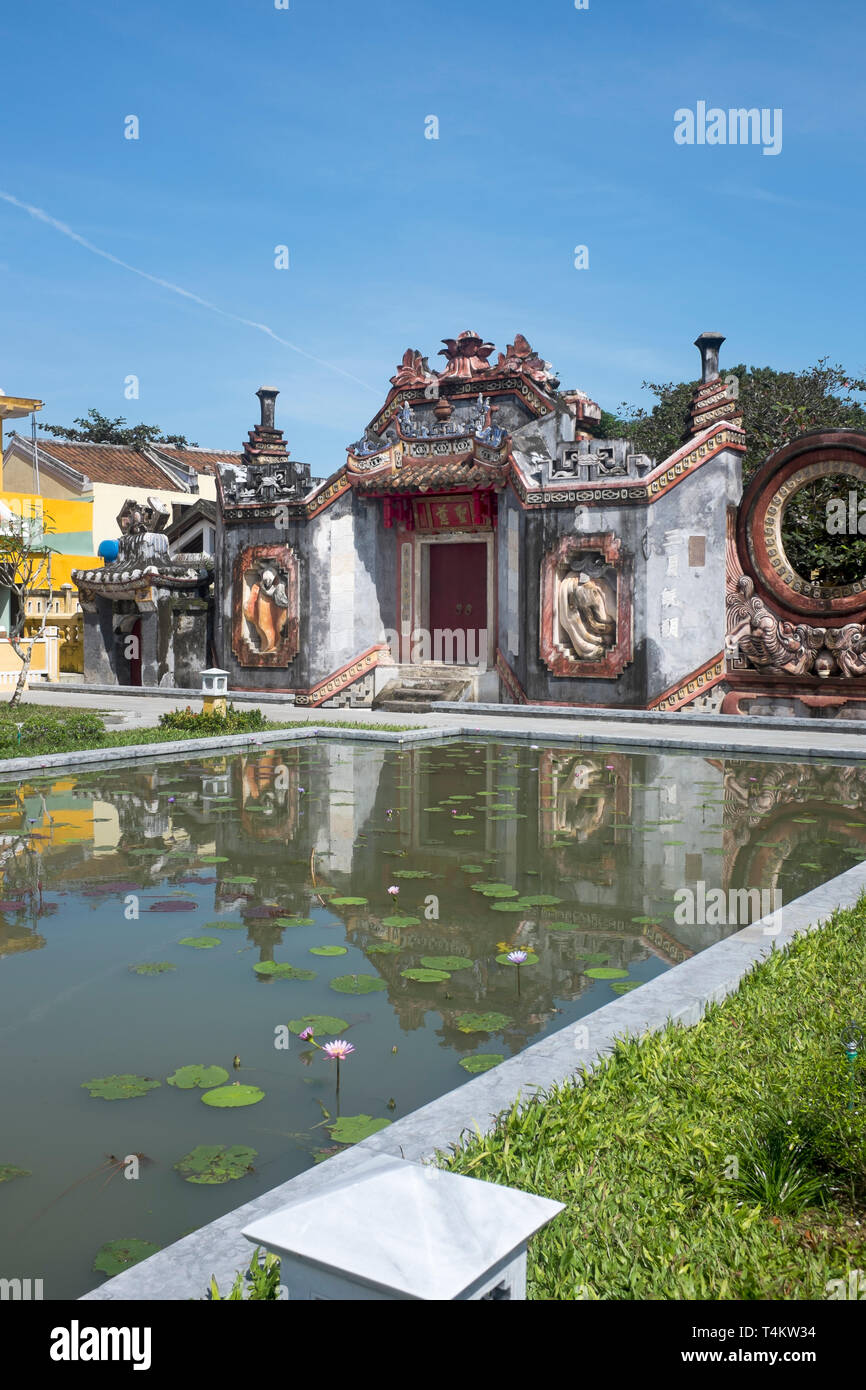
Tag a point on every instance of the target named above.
point(419, 693)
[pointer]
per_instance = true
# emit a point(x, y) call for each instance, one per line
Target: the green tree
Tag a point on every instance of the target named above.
point(776, 407)
point(25, 569)
point(96, 428)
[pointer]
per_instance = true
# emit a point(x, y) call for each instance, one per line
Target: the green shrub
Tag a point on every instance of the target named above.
point(263, 1280)
point(234, 721)
point(48, 731)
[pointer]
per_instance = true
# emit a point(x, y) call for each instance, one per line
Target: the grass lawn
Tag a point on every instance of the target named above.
point(645, 1152)
point(59, 729)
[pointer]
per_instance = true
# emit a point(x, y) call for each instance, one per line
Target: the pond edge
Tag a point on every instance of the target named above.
point(183, 1270)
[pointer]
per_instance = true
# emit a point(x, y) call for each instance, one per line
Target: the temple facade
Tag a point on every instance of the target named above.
point(481, 542)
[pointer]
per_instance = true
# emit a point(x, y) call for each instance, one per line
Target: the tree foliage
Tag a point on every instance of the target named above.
point(24, 569)
point(96, 428)
point(776, 407)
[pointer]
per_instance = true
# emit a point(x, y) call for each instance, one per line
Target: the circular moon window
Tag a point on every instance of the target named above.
point(815, 531)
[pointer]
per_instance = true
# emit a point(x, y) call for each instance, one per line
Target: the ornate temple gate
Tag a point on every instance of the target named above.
point(446, 561)
point(796, 641)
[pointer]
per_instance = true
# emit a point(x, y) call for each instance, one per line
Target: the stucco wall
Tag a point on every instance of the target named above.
point(666, 585)
point(346, 589)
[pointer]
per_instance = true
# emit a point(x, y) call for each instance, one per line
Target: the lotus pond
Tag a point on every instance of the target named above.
point(168, 933)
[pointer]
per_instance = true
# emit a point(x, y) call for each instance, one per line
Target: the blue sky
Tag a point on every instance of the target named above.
point(305, 127)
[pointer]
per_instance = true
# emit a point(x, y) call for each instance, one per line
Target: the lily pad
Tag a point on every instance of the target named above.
point(196, 1074)
point(606, 972)
point(517, 905)
point(214, 1163)
point(239, 878)
point(426, 977)
point(157, 967)
point(213, 859)
point(294, 922)
point(118, 1255)
point(274, 971)
point(224, 926)
point(124, 1086)
point(327, 950)
point(8, 1172)
point(471, 869)
point(531, 959)
point(357, 984)
point(482, 1061)
point(348, 902)
point(383, 948)
point(541, 900)
point(233, 1097)
point(597, 958)
point(447, 962)
point(320, 1023)
point(625, 986)
point(412, 873)
point(351, 1129)
point(482, 1023)
point(200, 943)
point(401, 920)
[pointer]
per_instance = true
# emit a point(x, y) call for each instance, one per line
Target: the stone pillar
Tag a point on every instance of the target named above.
point(708, 345)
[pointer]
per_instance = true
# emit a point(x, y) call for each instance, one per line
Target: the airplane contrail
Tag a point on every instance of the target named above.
point(67, 231)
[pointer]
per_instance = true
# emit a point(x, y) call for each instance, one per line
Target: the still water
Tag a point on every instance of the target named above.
point(285, 857)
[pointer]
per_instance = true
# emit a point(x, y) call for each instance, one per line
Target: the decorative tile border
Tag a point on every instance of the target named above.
point(696, 684)
point(346, 676)
point(665, 477)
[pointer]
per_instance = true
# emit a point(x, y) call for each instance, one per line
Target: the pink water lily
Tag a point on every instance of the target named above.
point(517, 957)
point(394, 890)
point(338, 1050)
point(305, 1034)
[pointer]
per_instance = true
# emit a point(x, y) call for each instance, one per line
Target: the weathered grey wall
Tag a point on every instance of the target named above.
point(347, 590)
point(695, 596)
point(101, 653)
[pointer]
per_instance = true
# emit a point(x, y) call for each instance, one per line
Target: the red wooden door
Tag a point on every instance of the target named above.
point(458, 601)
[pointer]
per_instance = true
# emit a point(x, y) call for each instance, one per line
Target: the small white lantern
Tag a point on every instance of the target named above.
point(399, 1230)
point(214, 685)
point(214, 681)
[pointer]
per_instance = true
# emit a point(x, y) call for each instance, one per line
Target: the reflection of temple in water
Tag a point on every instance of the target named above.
point(611, 836)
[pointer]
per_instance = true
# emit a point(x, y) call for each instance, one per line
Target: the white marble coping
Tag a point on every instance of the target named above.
point(407, 1230)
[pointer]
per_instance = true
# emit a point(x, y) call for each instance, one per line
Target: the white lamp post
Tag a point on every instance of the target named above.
point(214, 685)
point(399, 1230)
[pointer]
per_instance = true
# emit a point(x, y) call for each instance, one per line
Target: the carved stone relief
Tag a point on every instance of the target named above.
point(265, 606)
point(586, 607)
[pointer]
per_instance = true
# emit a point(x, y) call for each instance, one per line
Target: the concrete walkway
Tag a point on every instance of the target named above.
point(788, 738)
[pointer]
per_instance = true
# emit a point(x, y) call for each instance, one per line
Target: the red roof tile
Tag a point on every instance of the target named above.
point(121, 464)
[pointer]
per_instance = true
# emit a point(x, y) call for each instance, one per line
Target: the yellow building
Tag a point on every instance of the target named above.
point(74, 491)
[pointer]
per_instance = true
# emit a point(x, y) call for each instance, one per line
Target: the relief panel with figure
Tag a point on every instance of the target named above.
point(265, 606)
point(586, 607)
